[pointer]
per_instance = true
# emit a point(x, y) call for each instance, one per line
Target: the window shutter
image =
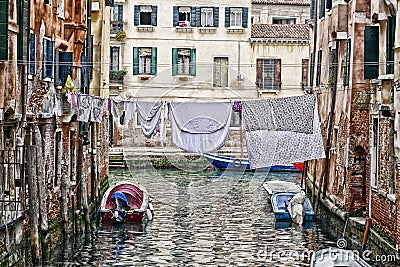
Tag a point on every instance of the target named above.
point(227, 16)
point(312, 9)
point(318, 78)
point(3, 29)
point(154, 16)
point(192, 67)
point(245, 17)
point(216, 17)
point(135, 60)
point(304, 72)
point(153, 60)
point(312, 68)
point(32, 55)
point(49, 59)
point(174, 61)
point(321, 8)
point(120, 13)
point(136, 15)
point(371, 52)
point(175, 16)
point(259, 73)
point(390, 36)
point(84, 72)
point(346, 63)
point(277, 82)
point(65, 66)
point(328, 4)
point(198, 17)
point(193, 17)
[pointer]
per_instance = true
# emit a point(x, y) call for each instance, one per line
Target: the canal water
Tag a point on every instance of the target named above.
point(201, 218)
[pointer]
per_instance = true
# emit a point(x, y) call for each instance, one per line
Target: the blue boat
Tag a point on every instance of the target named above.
point(242, 164)
point(279, 203)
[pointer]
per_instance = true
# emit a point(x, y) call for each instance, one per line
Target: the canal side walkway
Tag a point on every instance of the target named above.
point(146, 156)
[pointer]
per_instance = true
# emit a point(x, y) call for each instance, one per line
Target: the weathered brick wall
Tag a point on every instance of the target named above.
point(384, 213)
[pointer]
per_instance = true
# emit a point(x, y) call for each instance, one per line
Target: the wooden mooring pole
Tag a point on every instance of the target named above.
point(33, 204)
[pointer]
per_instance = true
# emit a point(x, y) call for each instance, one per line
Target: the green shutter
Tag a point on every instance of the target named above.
point(136, 15)
point(174, 61)
point(3, 29)
point(390, 37)
point(371, 52)
point(153, 60)
point(245, 17)
point(227, 17)
point(154, 16)
point(216, 17)
point(175, 16)
point(192, 67)
point(135, 60)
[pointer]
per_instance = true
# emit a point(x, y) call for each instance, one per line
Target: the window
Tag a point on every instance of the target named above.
point(48, 2)
point(220, 72)
point(65, 66)
point(145, 15)
point(207, 17)
point(374, 156)
point(318, 76)
point(371, 52)
point(183, 61)
point(346, 62)
point(283, 21)
point(114, 62)
point(32, 54)
point(268, 74)
point(60, 8)
point(48, 58)
point(195, 16)
point(236, 17)
point(3, 29)
point(184, 16)
point(144, 60)
point(117, 23)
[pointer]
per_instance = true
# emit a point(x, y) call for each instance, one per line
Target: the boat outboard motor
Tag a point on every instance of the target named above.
point(121, 203)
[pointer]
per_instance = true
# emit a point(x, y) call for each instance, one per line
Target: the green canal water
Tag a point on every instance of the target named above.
point(201, 218)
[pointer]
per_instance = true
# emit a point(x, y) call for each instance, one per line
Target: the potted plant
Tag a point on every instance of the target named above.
point(117, 74)
point(120, 35)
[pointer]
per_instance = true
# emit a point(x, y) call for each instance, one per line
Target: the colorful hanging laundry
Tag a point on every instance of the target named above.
point(84, 106)
point(97, 109)
point(149, 116)
point(200, 127)
point(293, 114)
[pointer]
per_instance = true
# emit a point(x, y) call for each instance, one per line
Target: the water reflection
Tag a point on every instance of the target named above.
point(213, 218)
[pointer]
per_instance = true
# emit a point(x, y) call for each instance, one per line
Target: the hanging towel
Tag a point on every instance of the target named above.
point(149, 117)
point(117, 107)
point(84, 107)
point(97, 109)
point(200, 127)
point(266, 148)
point(129, 110)
point(293, 114)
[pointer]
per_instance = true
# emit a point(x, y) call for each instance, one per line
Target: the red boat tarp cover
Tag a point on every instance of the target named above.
point(132, 193)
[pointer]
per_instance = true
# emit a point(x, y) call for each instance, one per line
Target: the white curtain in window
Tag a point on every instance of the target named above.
point(235, 17)
point(207, 17)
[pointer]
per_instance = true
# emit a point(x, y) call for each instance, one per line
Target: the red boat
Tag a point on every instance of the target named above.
point(126, 202)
